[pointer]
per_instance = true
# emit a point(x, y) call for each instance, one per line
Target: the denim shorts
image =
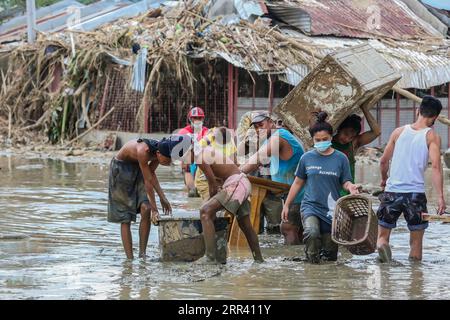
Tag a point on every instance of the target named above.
point(412, 205)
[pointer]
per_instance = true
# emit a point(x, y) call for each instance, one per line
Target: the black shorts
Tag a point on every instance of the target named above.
point(412, 205)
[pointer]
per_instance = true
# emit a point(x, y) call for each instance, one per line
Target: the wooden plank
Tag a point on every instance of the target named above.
point(237, 237)
point(273, 186)
point(436, 217)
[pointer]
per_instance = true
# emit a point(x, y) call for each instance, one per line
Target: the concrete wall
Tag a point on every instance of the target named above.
point(98, 136)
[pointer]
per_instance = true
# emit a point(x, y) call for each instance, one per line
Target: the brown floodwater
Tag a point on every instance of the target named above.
point(72, 252)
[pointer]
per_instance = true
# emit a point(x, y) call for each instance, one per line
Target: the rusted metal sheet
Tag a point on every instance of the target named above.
point(181, 239)
point(351, 18)
point(339, 85)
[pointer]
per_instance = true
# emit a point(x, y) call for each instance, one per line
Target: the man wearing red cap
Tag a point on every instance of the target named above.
point(195, 129)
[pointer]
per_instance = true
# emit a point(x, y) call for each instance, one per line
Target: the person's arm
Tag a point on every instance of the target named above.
point(346, 177)
point(262, 156)
point(437, 178)
point(293, 191)
point(165, 204)
point(368, 136)
point(387, 156)
point(209, 174)
point(148, 183)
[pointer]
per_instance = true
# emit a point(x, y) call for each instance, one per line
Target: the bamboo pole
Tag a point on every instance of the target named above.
point(415, 98)
point(64, 119)
point(9, 123)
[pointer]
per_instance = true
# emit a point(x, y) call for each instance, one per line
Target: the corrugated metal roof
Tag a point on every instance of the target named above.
point(353, 18)
point(59, 18)
point(418, 69)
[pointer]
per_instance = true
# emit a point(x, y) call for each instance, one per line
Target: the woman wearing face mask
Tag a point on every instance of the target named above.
point(349, 138)
point(322, 172)
point(195, 129)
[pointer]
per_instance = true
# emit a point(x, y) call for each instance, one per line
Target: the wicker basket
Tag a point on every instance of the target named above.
point(355, 225)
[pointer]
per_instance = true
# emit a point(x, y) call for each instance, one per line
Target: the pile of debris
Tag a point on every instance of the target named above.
point(165, 39)
point(369, 155)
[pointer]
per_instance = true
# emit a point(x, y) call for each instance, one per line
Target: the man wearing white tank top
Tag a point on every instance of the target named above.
point(407, 153)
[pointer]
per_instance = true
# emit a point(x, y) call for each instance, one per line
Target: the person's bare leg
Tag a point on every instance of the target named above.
point(252, 238)
point(290, 233)
point(384, 250)
point(415, 243)
point(144, 229)
point(127, 241)
point(207, 217)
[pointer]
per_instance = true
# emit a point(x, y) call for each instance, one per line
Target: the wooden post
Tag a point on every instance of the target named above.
point(235, 101)
point(230, 95)
point(31, 21)
point(380, 122)
point(254, 94)
point(397, 110)
point(270, 94)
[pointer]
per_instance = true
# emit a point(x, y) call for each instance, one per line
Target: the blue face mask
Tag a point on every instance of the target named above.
point(322, 146)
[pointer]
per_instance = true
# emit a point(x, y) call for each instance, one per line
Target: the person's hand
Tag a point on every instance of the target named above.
point(441, 206)
point(154, 216)
point(285, 214)
point(166, 207)
point(383, 184)
point(213, 189)
point(353, 188)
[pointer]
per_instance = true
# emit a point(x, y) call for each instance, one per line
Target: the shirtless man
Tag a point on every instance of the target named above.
point(231, 196)
point(132, 186)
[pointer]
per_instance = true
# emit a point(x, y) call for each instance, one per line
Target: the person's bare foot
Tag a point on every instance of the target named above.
point(414, 259)
point(384, 253)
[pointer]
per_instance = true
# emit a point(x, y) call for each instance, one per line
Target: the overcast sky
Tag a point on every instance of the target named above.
point(441, 4)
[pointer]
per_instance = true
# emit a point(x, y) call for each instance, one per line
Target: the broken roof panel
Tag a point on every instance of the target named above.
point(351, 18)
point(419, 69)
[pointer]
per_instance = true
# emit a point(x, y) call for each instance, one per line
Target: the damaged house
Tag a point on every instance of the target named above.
point(142, 73)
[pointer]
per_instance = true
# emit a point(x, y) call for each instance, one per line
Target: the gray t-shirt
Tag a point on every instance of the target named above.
point(324, 177)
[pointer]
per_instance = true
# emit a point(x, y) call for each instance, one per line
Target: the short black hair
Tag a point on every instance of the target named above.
point(353, 121)
point(430, 107)
point(320, 124)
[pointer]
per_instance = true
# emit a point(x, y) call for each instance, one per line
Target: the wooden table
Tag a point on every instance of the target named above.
point(260, 187)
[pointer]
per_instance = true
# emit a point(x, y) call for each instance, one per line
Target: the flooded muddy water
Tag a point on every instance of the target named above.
point(56, 244)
